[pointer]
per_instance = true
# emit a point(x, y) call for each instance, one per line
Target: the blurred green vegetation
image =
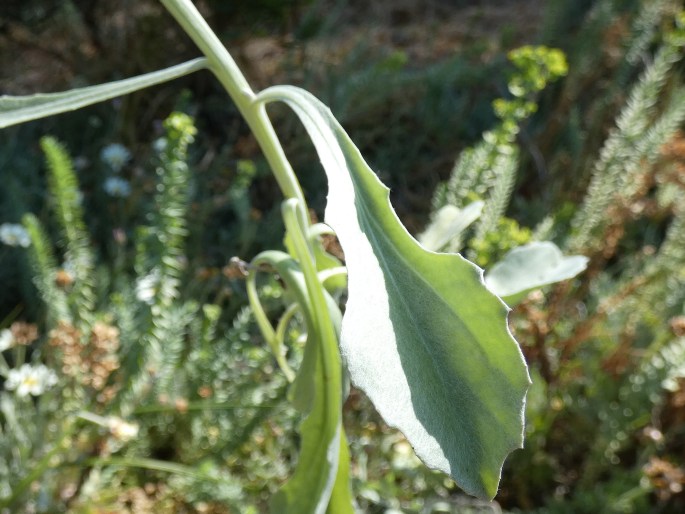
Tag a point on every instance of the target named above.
point(606, 413)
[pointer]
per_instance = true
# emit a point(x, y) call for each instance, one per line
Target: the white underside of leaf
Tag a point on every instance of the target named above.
point(448, 223)
point(468, 413)
point(531, 266)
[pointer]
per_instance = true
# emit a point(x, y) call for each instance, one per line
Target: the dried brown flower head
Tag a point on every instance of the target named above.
point(24, 333)
point(89, 362)
point(63, 278)
point(666, 478)
point(678, 325)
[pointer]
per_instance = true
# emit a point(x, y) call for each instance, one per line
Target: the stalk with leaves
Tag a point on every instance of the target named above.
point(416, 372)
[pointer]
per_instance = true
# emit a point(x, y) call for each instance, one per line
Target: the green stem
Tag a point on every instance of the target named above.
point(322, 317)
point(92, 418)
point(151, 464)
point(283, 322)
point(332, 272)
point(4, 367)
point(328, 409)
point(263, 322)
point(227, 72)
point(20, 356)
point(257, 310)
point(294, 208)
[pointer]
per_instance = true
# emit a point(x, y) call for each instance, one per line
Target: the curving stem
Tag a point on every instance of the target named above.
point(227, 72)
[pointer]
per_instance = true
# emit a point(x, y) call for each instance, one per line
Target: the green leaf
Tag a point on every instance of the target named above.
point(321, 477)
point(529, 267)
point(20, 109)
point(324, 260)
point(341, 501)
point(447, 224)
point(422, 335)
point(310, 487)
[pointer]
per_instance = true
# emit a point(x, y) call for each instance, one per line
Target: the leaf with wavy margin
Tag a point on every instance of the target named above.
point(422, 335)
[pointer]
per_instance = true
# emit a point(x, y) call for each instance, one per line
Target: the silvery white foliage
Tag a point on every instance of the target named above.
point(447, 225)
point(531, 266)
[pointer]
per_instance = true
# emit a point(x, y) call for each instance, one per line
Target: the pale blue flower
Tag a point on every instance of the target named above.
point(160, 144)
point(115, 156)
point(117, 187)
point(14, 235)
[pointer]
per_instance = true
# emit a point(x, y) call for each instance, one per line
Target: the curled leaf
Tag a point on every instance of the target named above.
point(531, 266)
point(448, 224)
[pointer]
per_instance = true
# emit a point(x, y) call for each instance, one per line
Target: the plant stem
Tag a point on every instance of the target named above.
point(263, 322)
point(227, 72)
point(157, 408)
point(4, 367)
point(322, 316)
point(143, 463)
point(294, 208)
point(285, 319)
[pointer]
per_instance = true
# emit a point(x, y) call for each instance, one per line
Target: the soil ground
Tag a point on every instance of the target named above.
point(54, 50)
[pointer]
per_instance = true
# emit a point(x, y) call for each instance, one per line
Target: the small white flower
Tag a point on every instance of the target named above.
point(117, 187)
point(29, 379)
point(6, 339)
point(147, 286)
point(116, 156)
point(121, 430)
point(14, 235)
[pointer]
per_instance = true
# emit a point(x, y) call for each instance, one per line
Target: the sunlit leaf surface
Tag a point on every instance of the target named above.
point(421, 335)
point(448, 223)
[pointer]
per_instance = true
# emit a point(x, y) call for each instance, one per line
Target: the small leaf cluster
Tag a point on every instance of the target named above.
point(536, 66)
point(505, 237)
